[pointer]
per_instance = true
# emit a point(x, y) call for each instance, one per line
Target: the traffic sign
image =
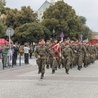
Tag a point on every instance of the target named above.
point(9, 32)
point(62, 35)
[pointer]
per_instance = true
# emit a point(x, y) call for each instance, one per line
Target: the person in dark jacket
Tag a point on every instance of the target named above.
point(14, 57)
point(31, 51)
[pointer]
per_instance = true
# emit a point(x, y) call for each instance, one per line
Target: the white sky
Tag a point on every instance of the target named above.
point(86, 8)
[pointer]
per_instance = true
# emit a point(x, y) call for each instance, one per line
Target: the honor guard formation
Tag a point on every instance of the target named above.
point(64, 54)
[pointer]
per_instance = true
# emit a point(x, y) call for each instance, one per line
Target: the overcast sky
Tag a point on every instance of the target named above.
point(86, 8)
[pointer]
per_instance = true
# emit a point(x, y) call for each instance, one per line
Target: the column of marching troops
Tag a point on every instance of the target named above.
point(67, 54)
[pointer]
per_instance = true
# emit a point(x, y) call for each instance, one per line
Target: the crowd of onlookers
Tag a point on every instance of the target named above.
point(10, 53)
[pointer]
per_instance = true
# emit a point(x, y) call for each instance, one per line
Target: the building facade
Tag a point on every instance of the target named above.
point(43, 8)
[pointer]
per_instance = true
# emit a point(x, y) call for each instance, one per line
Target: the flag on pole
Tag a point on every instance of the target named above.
point(57, 48)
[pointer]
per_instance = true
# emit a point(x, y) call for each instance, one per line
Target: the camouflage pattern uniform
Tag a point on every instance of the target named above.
point(66, 55)
point(80, 52)
point(49, 60)
point(41, 54)
point(55, 58)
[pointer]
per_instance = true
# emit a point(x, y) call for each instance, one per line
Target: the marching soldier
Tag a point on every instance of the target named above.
point(80, 53)
point(66, 56)
point(49, 60)
point(62, 47)
point(55, 51)
point(41, 54)
point(73, 54)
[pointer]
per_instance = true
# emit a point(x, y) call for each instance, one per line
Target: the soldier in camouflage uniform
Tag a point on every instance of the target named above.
point(56, 57)
point(49, 60)
point(86, 58)
point(74, 47)
point(41, 54)
point(97, 50)
point(91, 54)
point(66, 56)
point(84, 53)
point(62, 47)
point(88, 54)
point(80, 53)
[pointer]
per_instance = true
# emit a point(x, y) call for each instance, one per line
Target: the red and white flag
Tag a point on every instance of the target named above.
point(57, 48)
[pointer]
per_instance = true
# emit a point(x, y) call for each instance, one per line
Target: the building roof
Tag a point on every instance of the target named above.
point(45, 5)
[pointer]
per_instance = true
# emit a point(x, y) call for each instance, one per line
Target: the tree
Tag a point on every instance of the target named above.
point(2, 29)
point(30, 32)
point(87, 33)
point(63, 18)
point(83, 20)
point(2, 4)
point(50, 23)
point(16, 18)
point(2, 12)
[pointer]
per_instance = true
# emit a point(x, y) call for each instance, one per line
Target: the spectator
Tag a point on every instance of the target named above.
point(26, 54)
point(4, 54)
point(15, 52)
point(31, 51)
point(0, 51)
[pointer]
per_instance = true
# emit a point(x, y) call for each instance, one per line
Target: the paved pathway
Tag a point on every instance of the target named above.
point(24, 82)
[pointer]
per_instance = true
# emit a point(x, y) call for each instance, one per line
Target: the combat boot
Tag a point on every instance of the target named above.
point(53, 71)
point(71, 66)
point(42, 75)
point(67, 71)
point(85, 65)
point(59, 67)
point(56, 68)
point(79, 68)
